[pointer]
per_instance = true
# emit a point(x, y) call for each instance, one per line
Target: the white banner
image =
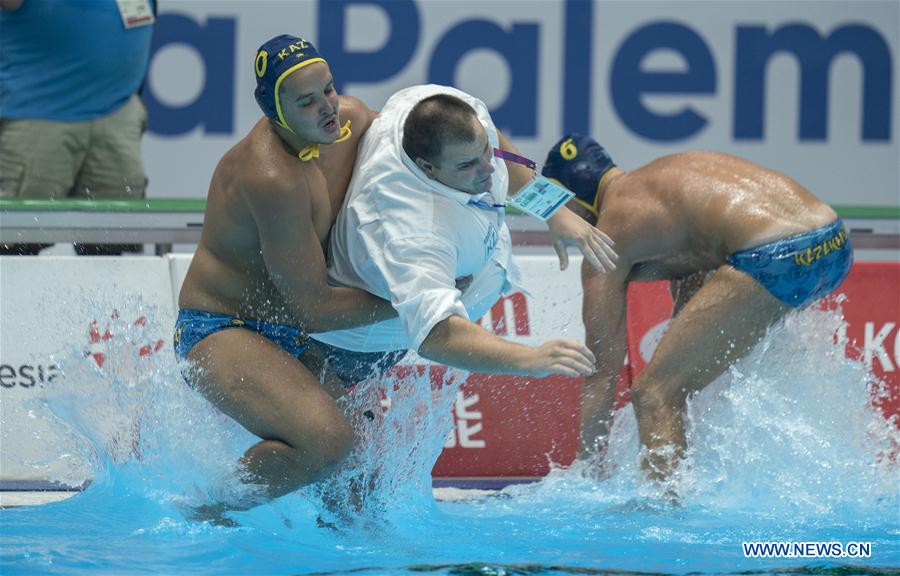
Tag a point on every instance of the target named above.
point(806, 87)
point(61, 318)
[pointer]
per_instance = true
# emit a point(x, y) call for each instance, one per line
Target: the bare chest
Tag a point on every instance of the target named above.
point(336, 164)
point(322, 211)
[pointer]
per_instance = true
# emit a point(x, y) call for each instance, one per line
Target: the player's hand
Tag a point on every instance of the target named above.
point(565, 357)
point(567, 229)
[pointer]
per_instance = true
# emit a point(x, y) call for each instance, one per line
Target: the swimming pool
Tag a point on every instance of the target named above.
point(784, 448)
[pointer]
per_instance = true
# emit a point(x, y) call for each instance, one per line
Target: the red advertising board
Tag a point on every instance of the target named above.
point(520, 425)
point(511, 426)
point(872, 311)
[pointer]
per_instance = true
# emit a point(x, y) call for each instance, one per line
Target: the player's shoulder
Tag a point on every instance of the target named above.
point(634, 212)
point(355, 110)
point(272, 179)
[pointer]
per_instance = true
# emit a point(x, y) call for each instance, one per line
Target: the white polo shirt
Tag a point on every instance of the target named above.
point(406, 238)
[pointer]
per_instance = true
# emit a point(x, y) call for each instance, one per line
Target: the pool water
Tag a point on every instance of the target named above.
point(785, 447)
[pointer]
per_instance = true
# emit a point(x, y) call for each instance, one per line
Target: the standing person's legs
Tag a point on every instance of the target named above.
point(719, 325)
point(113, 167)
point(39, 159)
point(304, 435)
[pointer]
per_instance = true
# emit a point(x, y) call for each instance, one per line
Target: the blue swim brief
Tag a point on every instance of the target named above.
point(354, 367)
point(192, 326)
point(800, 269)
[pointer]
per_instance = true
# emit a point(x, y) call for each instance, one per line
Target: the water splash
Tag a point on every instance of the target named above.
point(785, 446)
point(134, 420)
point(140, 427)
point(402, 423)
point(790, 432)
point(792, 429)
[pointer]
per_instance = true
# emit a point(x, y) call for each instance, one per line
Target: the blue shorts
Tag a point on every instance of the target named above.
point(800, 269)
point(192, 326)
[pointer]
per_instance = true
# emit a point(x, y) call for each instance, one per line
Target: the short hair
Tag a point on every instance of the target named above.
point(436, 121)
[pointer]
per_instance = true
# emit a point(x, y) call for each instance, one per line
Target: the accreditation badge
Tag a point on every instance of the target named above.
point(541, 198)
point(135, 13)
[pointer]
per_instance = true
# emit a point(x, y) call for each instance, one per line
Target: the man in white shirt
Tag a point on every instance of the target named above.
point(425, 207)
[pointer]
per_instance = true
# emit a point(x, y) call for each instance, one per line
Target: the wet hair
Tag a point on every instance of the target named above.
point(435, 122)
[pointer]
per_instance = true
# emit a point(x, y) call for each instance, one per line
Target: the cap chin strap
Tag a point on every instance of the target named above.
point(307, 153)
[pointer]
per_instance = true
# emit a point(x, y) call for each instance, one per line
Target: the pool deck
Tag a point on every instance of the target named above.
point(35, 492)
point(23, 498)
point(17, 498)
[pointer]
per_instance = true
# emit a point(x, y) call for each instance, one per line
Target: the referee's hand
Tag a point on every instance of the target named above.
point(567, 229)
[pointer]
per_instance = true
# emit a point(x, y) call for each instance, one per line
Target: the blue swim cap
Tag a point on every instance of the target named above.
point(579, 163)
point(275, 61)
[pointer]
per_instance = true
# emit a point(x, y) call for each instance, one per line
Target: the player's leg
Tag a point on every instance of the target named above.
point(304, 434)
point(719, 325)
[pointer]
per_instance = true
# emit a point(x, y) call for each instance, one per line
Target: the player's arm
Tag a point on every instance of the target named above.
point(605, 313)
point(566, 227)
point(296, 262)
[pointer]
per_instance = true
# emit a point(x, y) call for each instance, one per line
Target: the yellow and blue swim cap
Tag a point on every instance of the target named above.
point(579, 163)
point(275, 61)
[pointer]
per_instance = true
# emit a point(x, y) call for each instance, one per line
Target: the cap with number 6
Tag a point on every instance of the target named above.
point(579, 163)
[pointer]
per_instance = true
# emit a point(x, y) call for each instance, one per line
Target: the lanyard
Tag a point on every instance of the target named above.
point(513, 157)
point(485, 205)
point(540, 198)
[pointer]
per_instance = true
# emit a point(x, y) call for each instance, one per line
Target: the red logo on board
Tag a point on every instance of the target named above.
point(98, 337)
